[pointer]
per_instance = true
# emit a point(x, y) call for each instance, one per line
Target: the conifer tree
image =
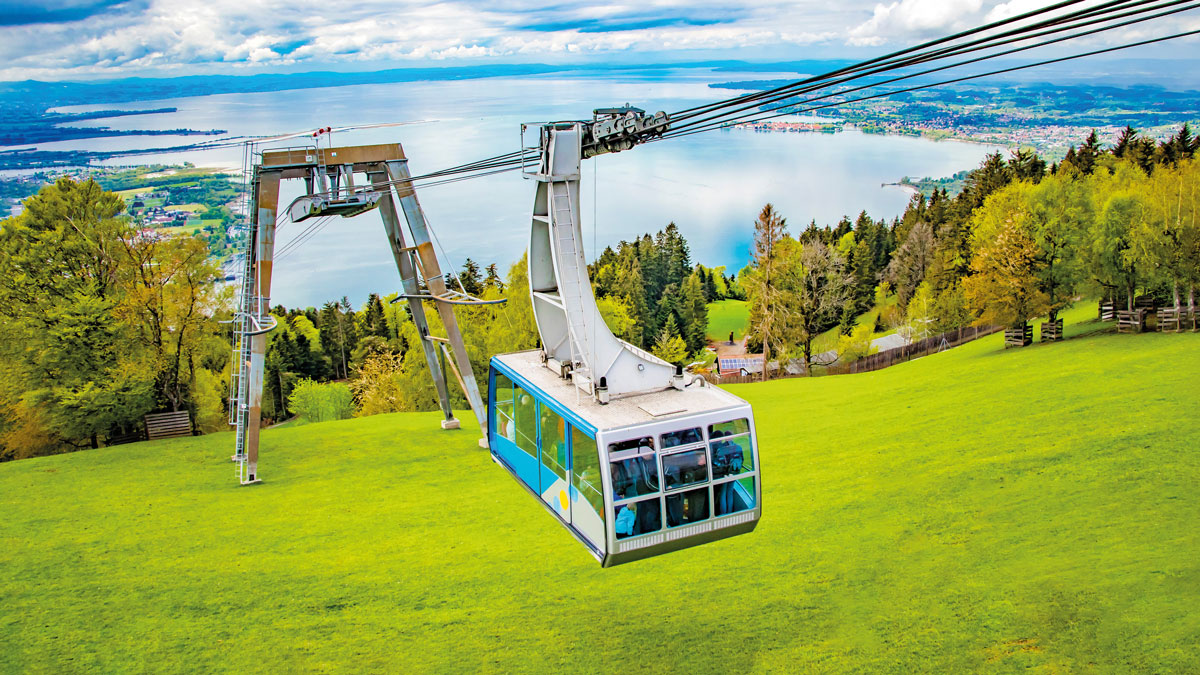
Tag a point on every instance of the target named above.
point(1085, 158)
point(694, 312)
point(493, 279)
point(768, 296)
point(669, 346)
point(373, 321)
point(633, 291)
point(470, 278)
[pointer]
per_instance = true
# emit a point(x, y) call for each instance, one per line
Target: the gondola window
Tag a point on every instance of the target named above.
point(525, 416)
point(686, 507)
point(503, 421)
point(633, 468)
point(685, 468)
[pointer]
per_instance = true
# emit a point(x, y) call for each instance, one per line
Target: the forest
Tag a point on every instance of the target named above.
point(1023, 239)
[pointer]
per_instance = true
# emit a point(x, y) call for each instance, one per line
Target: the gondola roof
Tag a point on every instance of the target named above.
point(622, 412)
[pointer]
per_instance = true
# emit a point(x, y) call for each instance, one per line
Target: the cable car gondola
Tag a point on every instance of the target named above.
point(635, 478)
point(633, 456)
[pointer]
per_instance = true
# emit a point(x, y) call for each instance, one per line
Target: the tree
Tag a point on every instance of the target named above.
point(1026, 165)
point(493, 279)
point(169, 300)
point(1180, 147)
point(373, 320)
point(470, 279)
point(1165, 244)
point(73, 372)
point(376, 388)
point(768, 298)
point(632, 290)
point(333, 338)
point(907, 269)
point(1111, 259)
point(822, 289)
point(693, 311)
point(673, 251)
point(669, 346)
point(616, 316)
point(1060, 209)
point(1085, 158)
point(1003, 288)
point(82, 374)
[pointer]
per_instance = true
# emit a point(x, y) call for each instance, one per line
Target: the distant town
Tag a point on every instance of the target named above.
point(1046, 118)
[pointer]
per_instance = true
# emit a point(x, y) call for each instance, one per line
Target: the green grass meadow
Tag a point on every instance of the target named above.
point(725, 316)
point(978, 510)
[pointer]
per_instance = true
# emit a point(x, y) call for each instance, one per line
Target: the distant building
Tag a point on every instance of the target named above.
point(743, 364)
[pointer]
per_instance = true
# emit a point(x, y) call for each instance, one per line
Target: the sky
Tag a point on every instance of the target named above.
point(93, 39)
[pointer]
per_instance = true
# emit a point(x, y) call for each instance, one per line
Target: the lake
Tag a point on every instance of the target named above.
point(711, 185)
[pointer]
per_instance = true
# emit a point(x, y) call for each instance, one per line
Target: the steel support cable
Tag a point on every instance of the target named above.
point(756, 107)
point(780, 93)
point(308, 233)
point(754, 115)
point(686, 112)
point(296, 244)
point(789, 108)
point(1140, 43)
point(513, 158)
point(484, 168)
point(303, 237)
point(298, 241)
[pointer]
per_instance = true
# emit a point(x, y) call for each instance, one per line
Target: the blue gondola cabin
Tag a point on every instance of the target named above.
point(636, 477)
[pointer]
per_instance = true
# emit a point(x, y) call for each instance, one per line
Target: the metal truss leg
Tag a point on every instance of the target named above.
point(398, 172)
point(408, 280)
point(263, 251)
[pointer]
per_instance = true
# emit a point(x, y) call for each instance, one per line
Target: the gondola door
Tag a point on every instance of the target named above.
point(554, 461)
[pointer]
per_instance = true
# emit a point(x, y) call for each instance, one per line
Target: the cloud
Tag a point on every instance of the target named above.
point(60, 39)
point(913, 19)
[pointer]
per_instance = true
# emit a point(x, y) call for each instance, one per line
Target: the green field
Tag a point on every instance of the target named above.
point(725, 316)
point(978, 510)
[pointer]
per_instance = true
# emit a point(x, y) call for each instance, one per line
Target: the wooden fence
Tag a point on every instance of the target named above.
point(1018, 336)
point(168, 425)
point(1177, 320)
point(1131, 322)
point(1052, 331)
point(884, 359)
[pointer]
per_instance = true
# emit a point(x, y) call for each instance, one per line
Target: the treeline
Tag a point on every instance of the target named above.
point(648, 292)
point(102, 325)
point(375, 350)
point(1023, 239)
point(657, 299)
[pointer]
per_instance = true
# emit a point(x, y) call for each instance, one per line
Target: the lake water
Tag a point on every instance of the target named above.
point(711, 185)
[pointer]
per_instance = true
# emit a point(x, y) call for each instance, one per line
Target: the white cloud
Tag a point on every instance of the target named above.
point(177, 36)
point(913, 19)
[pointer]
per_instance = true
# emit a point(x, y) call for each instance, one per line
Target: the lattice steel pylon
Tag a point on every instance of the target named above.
point(329, 176)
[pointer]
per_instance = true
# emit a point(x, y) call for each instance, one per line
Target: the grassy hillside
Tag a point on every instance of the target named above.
point(725, 316)
point(979, 510)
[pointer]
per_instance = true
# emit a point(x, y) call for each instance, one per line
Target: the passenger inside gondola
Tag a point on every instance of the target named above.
point(687, 507)
point(682, 437)
point(638, 518)
point(727, 458)
point(685, 468)
point(728, 499)
point(634, 469)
